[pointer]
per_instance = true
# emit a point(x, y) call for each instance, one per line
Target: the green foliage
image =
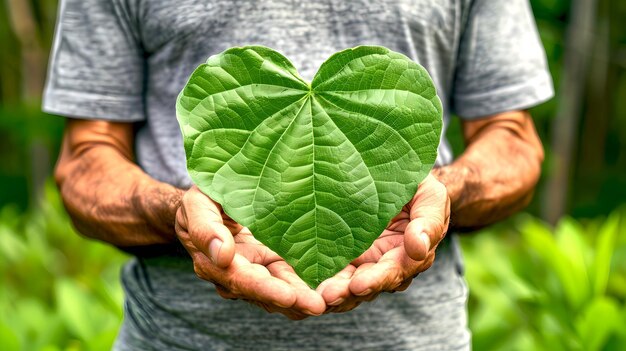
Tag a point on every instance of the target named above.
point(531, 287)
point(537, 289)
point(29, 141)
point(59, 291)
point(315, 171)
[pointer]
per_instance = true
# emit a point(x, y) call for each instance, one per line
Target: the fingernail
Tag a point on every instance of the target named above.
point(214, 249)
point(426, 239)
point(365, 292)
point(337, 302)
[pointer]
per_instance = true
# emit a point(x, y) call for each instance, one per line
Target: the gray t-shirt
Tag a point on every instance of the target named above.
point(126, 60)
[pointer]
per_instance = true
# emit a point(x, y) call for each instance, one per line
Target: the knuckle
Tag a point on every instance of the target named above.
point(397, 280)
point(199, 271)
point(180, 219)
point(428, 262)
point(235, 290)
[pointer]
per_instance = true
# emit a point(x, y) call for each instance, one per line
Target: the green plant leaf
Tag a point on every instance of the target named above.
point(75, 308)
point(597, 322)
point(538, 237)
point(315, 171)
point(605, 246)
point(81, 312)
point(568, 234)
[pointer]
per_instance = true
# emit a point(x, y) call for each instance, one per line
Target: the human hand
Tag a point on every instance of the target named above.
point(404, 249)
point(226, 254)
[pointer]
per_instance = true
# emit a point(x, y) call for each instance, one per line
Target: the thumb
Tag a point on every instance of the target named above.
point(206, 228)
point(420, 236)
point(430, 215)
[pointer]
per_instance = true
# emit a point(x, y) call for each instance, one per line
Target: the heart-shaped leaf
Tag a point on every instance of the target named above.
point(315, 171)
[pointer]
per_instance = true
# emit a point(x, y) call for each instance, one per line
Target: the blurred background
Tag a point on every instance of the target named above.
point(552, 278)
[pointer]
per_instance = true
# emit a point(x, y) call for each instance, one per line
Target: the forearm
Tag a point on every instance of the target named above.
point(496, 175)
point(110, 198)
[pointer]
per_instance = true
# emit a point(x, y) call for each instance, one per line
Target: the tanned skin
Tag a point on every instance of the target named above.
point(496, 175)
point(110, 198)
point(107, 195)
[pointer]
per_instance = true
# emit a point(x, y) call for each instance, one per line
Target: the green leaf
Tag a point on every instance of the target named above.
point(605, 246)
point(12, 247)
point(80, 311)
point(539, 238)
point(576, 252)
point(315, 171)
point(597, 322)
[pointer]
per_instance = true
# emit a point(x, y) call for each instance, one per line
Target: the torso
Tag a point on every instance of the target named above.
point(178, 36)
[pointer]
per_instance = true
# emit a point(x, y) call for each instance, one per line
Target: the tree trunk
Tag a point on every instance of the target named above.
point(33, 72)
point(598, 110)
point(577, 47)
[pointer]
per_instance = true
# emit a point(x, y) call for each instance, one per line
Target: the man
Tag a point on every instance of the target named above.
point(116, 70)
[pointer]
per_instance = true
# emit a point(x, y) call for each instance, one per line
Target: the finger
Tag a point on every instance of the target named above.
point(254, 282)
point(430, 216)
point(245, 281)
point(275, 309)
point(385, 275)
point(215, 241)
point(181, 219)
point(230, 223)
point(352, 301)
point(405, 285)
point(294, 316)
point(205, 228)
point(348, 305)
point(307, 300)
point(417, 242)
point(287, 312)
point(180, 226)
point(431, 199)
point(255, 252)
point(423, 235)
point(362, 268)
point(227, 294)
point(336, 290)
point(224, 293)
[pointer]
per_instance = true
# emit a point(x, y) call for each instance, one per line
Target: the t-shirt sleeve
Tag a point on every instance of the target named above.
point(97, 63)
point(501, 63)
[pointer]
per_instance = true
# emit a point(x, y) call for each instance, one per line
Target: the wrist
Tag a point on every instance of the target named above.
point(453, 176)
point(157, 203)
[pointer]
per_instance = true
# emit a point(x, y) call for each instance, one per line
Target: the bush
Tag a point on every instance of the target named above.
point(59, 290)
point(534, 288)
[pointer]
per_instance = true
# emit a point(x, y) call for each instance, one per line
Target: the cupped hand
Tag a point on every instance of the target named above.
point(226, 254)
point(404, 249)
